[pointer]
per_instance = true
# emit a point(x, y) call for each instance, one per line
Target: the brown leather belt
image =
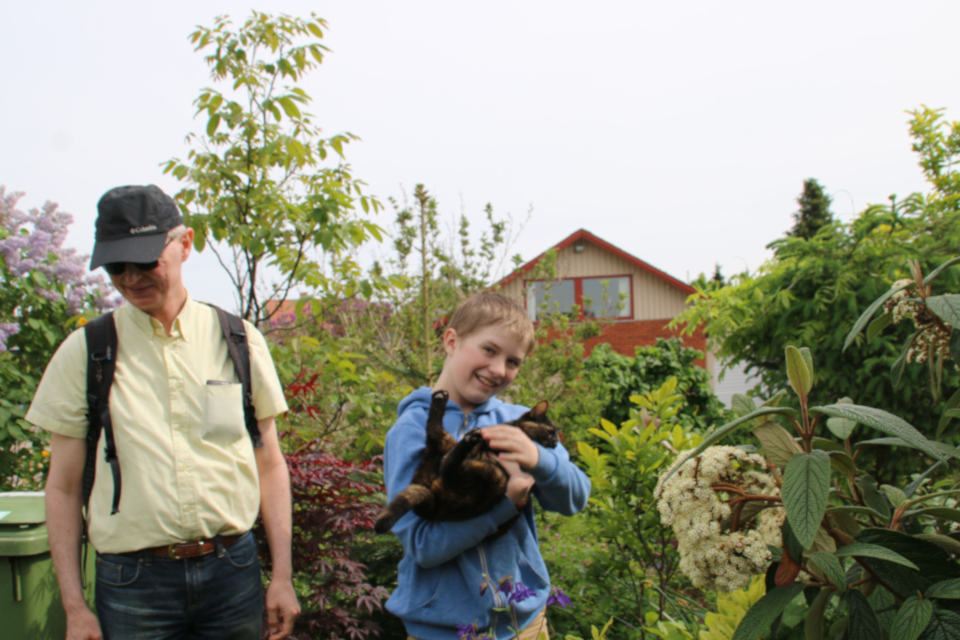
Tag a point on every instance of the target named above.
point(182, 550)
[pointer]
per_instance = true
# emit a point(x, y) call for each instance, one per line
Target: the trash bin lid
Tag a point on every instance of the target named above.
point(22, 523)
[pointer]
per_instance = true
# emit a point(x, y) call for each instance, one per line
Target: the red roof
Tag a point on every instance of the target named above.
point(583, 234)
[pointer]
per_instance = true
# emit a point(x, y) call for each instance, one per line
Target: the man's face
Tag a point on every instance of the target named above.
point(480, 365)
point(150, 290)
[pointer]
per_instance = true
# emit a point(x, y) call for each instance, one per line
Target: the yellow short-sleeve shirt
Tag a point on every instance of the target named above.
point(187, 462)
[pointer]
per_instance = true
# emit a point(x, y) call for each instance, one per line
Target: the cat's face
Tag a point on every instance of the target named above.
point(537, 425)
point(480, 365)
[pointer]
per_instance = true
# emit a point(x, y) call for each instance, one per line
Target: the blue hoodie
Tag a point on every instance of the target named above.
point(445, 563)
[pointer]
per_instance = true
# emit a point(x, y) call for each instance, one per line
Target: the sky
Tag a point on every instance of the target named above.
point(679, 132)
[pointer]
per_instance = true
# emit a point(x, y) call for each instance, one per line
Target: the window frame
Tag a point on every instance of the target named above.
point(578, 295)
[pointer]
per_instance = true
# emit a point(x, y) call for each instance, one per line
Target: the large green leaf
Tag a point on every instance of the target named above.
point(943, 513)
point(882, 421)
point(952, 403)
point(944, 625)
point(934, 564)
point(831, 568)
point(725, 430)
point(879, 323)
point(896, 369)
point(866, 315)
point(947, 307)
point(945, 589)
point(864, 550)
point(912, 618)
point(777, 443)
point(801, 378)
point(942, 447)
point(806, 484)
point(742, 404)
point(863, 620)
point(944, 542)
point(933, 274)
point(813, 625)
point(872, 496)
point(761, 615)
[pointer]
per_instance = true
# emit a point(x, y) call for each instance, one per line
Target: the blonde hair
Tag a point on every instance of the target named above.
point(485, 309)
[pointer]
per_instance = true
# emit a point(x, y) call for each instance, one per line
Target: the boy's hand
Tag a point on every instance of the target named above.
point(513, 445)
point(519, 484)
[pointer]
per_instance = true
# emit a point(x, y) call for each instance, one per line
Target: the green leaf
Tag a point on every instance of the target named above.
point(841, 427)
point(879, 323)
point(944, 542)
point(882, 421)
point(872, 496)
point(289, 106)
point(742, 404)
point(942, 447)
point(808, 360)
point(831, 568)
point(724, 430)
point(912, 618)
point(933, 274)
point(756, 623)
point(858, 510)
point(943, 513)
point(806, 484)
point(944, 625)
point(843, 463)
point(814, 624)
point(866, 315)
point(862, 549)
point(863, 620)
point(952, 403)
point(212, 124)
point(895, 494)
point(896, 369)
point(945, 590)
point(947, 307)
point(777, 443)
point(955, 345)
point(801, 379)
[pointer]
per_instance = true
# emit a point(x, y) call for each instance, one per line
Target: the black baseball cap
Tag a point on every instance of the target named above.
point(132, 225)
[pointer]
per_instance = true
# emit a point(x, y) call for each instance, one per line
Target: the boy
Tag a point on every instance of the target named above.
point(446, 563)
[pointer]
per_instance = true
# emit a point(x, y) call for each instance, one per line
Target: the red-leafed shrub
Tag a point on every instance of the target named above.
point(333, 511)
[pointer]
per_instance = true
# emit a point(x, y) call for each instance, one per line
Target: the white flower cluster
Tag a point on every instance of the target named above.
point(933, 338)
point(711, 555)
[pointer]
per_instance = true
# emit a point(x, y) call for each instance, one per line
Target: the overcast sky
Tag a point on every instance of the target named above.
point(680, 132)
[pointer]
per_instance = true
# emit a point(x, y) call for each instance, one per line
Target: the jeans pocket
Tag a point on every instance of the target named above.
point(243, 553)
point(117, 570)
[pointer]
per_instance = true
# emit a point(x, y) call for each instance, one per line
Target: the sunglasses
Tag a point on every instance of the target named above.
point(118, 268)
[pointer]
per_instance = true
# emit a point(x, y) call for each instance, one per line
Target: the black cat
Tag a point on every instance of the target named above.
point(460, 480)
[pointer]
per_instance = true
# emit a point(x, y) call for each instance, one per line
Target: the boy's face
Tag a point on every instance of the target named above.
point(480, 365)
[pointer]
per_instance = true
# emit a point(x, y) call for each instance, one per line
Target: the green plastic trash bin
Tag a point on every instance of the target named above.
point(30, 606)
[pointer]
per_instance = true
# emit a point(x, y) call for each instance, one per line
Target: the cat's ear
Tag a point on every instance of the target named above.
point(540, 410)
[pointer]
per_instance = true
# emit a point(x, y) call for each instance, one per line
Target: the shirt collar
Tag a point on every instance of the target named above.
point(151, 327)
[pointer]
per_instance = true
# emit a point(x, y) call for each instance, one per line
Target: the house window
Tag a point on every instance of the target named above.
point(606, 297)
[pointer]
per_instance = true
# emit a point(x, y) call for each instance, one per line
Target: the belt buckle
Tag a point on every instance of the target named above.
point(172, 551)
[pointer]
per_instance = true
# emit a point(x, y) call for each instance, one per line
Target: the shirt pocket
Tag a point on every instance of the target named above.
point(223, 412)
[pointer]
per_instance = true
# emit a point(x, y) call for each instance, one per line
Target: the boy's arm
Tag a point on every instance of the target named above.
point(561, 485)
point(431, 543)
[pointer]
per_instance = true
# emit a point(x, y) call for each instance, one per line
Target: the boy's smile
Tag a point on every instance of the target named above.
point(480, 365)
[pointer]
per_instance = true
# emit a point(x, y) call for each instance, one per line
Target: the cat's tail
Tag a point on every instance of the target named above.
point(413, 496)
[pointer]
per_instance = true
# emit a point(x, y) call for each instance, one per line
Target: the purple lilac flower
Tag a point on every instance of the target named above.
point(7, 329)
point(520, 593)
point(558, 597)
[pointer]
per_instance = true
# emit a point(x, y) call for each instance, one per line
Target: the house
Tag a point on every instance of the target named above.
point(595, 276)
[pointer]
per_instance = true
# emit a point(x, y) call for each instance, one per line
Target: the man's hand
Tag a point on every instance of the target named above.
point(82, 624)
point(282, 608)
point(513, 444)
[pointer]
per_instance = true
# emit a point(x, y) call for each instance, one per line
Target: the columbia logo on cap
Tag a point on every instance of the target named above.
point(149, 227)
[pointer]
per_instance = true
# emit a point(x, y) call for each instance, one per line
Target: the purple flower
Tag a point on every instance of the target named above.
point(520, 593)
point(467, 631)
point(506, 586)
point(558, 597)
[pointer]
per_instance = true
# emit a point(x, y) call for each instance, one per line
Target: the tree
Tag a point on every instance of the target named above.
point(814, 211)
point(258, 179)
point(813, 290)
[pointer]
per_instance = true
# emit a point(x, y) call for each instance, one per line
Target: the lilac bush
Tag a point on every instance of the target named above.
point(45, 292)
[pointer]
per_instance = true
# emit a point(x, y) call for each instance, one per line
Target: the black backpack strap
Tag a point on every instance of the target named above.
point(101, 335)
point(236, 336)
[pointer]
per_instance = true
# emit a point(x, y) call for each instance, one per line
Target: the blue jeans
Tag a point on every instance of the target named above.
point(219, 596)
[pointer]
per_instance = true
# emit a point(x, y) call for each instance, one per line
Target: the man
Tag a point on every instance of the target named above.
point(177, 560)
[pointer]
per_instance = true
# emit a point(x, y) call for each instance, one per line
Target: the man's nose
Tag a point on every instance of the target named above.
point(498, 367)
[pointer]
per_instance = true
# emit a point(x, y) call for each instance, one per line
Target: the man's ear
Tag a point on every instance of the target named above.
point(450, 341)
point(186, 241)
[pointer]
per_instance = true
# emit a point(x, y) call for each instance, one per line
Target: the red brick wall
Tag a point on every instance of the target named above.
point(625, 335)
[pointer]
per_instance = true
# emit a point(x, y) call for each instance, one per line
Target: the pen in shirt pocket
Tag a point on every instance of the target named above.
point(215, 382)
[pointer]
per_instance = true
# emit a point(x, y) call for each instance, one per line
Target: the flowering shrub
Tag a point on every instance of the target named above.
point(720, 547)
point(44, 287)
